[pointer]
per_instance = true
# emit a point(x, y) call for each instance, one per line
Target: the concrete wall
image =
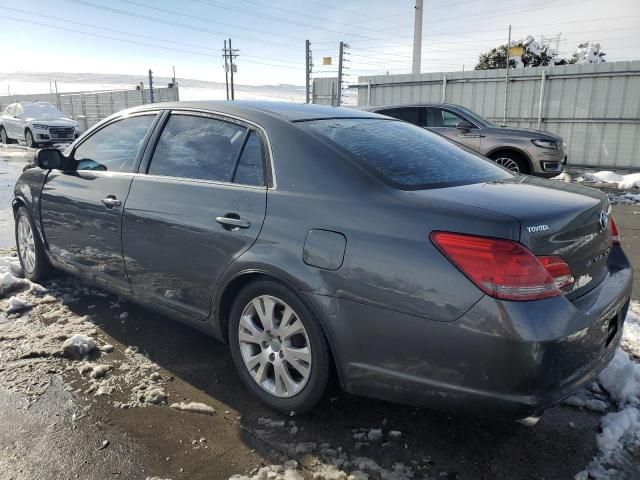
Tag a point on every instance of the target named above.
point(595, 108)
point(89, 108)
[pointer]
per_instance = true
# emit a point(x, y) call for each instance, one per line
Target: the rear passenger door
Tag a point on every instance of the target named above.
point(200, 205)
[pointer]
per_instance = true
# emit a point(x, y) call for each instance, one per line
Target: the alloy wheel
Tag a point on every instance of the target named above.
point(508, 163)
point(3, 136)
point(26, 244)
point(275, 346)
point(29, 139)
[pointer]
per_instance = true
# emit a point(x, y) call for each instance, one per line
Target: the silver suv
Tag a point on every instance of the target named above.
point(524, 151)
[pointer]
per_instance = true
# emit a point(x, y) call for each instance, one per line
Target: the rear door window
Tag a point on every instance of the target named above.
point(404, 155)
point(115, 147)
point(250, 170)
point(408, 114)
point(197, 147)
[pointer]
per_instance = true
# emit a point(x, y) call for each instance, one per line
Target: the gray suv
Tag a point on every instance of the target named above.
point(523, 151)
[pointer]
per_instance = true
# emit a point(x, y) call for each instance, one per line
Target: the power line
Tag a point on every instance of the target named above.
point(91, 34)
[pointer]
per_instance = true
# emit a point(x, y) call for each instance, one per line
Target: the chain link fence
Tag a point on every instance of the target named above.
point(89, 108)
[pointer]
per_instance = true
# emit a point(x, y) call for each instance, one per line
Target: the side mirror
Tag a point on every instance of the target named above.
point(49, 158)
point(465, 125)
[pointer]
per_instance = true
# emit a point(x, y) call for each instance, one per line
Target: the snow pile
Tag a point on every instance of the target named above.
point(16, 304)
point(621, 379)
point(620, 429)
point(631, 333)
point(193, 407)
point(78, 346)
point(9, 282)
point(624, 182)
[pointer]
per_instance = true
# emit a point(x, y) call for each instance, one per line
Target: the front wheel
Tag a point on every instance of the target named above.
point(33, 258)
point(28, 138)
point(511, 161)
point(278, 347)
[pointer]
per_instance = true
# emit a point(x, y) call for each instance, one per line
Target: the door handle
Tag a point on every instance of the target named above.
point(231, 223)
point(111, 201)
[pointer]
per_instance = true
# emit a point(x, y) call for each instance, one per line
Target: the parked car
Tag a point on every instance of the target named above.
point(316, 239)
point(36, 124)
point(525, 151)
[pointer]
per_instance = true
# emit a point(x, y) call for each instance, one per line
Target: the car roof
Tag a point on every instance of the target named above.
point(405, 105)
point(255, 110)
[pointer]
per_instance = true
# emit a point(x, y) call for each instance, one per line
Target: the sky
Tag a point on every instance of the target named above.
point(131, 36)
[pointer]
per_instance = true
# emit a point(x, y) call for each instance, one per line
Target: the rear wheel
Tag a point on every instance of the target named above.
point(278, 347)
point(3, 136)
point(33, 258)
point(511, 161)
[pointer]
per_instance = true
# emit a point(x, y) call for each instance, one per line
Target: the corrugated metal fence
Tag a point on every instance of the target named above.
point(595, 108)
point(89, 108)
point(325, 91)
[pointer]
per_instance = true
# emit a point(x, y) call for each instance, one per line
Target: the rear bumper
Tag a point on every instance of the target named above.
point(507, 359)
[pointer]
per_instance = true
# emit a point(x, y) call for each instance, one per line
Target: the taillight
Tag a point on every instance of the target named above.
point(615, 234)
point(559, 271)
point(503, 268)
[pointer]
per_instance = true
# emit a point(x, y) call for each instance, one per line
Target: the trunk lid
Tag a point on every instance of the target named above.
point(555, 218)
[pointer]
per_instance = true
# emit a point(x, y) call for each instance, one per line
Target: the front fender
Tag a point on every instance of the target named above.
point(27, 193)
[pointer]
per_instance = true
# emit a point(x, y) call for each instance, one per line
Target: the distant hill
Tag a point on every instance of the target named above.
point(190, 89)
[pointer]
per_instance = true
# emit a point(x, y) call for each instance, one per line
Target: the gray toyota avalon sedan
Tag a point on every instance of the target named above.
point(321, 241)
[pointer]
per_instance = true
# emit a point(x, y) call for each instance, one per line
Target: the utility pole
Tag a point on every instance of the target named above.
point(340, 63)
point(231, 55)
point(174, 82)
point(417, 38)
point(150, 86)
point(226, 68)
point(308, 68)
point(506, 81)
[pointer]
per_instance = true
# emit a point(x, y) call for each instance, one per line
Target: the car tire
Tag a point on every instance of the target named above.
point(281, 376)
point(31, 253)
point(4, 138)
point(29, 140)
point(511, 161)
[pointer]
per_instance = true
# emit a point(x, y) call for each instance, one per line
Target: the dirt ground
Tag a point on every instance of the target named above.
point(55, 425)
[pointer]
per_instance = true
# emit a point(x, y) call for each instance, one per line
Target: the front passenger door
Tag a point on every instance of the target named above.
point(444, 122)
point(81, 207)
point(200, 206)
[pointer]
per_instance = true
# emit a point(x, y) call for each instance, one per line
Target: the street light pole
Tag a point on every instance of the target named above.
point(417, 38)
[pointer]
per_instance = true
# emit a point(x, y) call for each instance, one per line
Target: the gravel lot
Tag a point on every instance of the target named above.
point(66, 418)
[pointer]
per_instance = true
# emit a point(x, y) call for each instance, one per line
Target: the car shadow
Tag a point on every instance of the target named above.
point(434, 443)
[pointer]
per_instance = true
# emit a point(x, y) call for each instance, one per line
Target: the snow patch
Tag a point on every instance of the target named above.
point(17, 305)
point(194, 407)
point(78, 346)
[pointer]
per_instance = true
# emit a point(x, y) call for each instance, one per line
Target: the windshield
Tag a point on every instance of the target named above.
point(477, 118)
point(407, 156)
point(42, 111)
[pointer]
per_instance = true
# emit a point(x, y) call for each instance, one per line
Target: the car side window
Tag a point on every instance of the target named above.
point(250, 169)
point(408, 114)
point(10, 110)
point(197, 147)
point(115, 147)
point(18, 110)
point(450, 119)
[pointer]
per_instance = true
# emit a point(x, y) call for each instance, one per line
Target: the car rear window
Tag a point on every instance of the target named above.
point(407, 156)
